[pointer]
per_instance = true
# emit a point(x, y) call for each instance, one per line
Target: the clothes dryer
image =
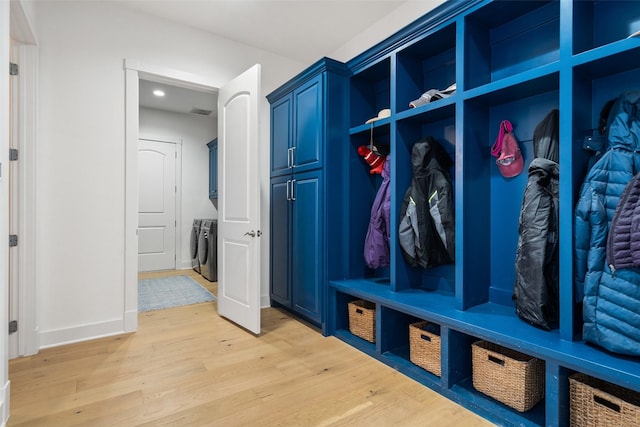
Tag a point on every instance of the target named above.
point(195, 236)
point(208, 250)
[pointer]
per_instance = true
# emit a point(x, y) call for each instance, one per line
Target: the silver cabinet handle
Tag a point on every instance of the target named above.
point(288, 193)
point(293, 157)
point(250, 233)
point(290, 157)
point(293, 189)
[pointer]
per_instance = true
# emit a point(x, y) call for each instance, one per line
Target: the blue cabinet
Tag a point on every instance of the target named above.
point(308, 122)
point(297, 130)
point(280, 244)
point(296, 244)
point(307, 277)
point(213, 168)
point(514, 60)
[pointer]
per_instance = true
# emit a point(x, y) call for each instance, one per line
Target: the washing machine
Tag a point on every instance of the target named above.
point(208, 249)
point(195, 236)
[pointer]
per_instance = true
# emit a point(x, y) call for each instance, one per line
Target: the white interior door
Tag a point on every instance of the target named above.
point(156, 205)
point(239, 201)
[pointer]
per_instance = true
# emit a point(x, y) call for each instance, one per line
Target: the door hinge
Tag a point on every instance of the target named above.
point(13, 69)
point(13, 327)
point(13, 154)
point(13, 240)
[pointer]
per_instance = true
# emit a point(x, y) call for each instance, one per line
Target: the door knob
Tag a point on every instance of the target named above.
point(250, 233)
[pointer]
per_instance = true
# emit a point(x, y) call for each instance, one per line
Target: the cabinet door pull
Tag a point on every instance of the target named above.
point(288, 194)
point(293, 190)
point(288, 157)
point(293, 157)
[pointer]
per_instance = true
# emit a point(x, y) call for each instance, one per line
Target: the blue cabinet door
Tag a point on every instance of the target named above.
point(307, 271)
point(281, 141)
point(297, 129)
point(280, 240)
point(213, 168)
point(308, 125)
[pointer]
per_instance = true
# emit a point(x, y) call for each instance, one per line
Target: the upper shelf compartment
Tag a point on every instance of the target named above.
point(370, 93)
point(505, 40)
point(601, 23)
point(429, 63)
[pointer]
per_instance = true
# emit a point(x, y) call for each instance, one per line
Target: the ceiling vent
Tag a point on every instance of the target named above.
point(200, 111)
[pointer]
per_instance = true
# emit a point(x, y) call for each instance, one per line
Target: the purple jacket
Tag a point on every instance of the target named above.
point(376, 244)
point(623, 245)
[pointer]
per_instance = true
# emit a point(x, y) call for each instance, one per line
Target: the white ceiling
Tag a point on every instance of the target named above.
point(304, 30)
point(176, 99)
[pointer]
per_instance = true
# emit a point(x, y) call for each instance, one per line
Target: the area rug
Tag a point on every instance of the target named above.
point(166, 292)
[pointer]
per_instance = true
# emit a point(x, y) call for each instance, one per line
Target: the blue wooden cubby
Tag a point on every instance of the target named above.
point(514, 60)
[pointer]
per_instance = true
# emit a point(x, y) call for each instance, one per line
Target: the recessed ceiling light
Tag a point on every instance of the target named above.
point(158, 92)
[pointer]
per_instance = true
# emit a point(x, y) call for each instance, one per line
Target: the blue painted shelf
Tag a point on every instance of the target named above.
point(514, 60)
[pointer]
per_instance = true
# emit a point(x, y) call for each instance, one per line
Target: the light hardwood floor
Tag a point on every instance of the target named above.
point(187, 366)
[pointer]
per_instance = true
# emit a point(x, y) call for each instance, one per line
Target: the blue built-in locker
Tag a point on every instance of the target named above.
point(308, 151)
point(510, 60)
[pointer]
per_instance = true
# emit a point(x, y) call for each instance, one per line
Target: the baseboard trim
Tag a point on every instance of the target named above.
point(75, 334)
point(5, 402)
point(185, 265)
point(265, 301)
point(131, 321)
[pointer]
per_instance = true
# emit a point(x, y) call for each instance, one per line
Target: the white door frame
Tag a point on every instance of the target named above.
point(178, 181)
point(25, 52)
point(134, 70)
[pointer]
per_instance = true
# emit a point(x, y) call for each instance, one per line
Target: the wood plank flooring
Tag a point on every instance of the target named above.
point(187, 366)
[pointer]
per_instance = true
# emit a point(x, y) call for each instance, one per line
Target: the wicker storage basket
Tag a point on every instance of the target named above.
point(513, 378)
point(362, 319)
point(594, 402)
point(424, 346)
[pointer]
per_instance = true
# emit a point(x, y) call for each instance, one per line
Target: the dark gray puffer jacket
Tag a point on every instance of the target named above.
point(535, 290)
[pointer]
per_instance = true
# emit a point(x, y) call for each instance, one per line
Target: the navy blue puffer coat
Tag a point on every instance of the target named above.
point(611, 308)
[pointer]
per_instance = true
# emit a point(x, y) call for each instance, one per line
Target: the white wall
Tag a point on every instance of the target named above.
point(195, 132)
point(399, 18)
point(80, 185)
point(81, 174)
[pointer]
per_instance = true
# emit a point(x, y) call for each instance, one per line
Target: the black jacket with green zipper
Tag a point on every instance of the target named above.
point(427, 223)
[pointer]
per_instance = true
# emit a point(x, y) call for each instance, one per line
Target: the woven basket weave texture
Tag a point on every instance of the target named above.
point(362, 319)
point(511, 377)
point(597, 403)
point(424, 347)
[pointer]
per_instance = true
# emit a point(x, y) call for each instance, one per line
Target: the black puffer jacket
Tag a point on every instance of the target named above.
point(536, 286)
point(427, 223)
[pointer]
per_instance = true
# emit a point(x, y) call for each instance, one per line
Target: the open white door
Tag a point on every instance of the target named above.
point(239, 201)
